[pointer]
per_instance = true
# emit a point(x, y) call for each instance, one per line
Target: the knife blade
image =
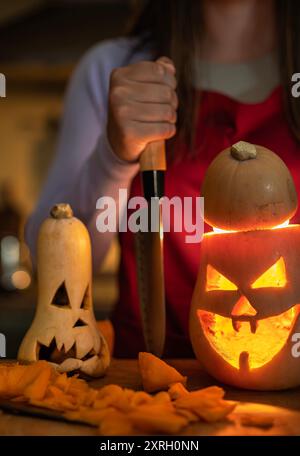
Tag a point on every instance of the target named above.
point(149, 250)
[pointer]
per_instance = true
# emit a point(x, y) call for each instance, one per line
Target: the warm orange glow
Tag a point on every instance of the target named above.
point(282, 225)
point(243, 307)
point(161, 231)
point(248, 344)
point(220, 230)
point(217, 281)
point(275, 276)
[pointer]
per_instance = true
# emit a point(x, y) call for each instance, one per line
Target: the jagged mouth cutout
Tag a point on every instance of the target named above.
point(242, 340)
point(242, 347)
point(51, 352)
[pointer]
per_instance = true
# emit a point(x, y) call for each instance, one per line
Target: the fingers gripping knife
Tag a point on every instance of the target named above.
point(149, 250)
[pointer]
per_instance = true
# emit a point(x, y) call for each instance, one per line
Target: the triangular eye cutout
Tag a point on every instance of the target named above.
point(61, 298)
point(274, 277)
point(85, 303)
point(217, 281)
point(79, 323)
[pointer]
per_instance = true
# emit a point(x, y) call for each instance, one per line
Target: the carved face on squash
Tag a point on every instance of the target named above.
point(64, 329)
point(246, 303)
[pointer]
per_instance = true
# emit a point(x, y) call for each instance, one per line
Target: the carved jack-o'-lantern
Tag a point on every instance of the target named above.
point(246, 304)
point(64, 329)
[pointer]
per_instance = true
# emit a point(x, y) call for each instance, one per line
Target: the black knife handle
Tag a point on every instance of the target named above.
point(153, 183)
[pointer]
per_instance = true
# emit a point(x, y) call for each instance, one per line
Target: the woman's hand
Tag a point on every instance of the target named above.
point(142, 106)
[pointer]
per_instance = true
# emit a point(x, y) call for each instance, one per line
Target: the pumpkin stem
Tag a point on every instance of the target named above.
point(243, 150)
point(61, 211)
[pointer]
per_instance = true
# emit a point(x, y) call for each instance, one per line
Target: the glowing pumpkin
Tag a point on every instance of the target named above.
point(246, 304)
point(64, 330)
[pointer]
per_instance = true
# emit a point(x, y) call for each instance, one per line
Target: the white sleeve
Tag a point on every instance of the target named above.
point(85, 168)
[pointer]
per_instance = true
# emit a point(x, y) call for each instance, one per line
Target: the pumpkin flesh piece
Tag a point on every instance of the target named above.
point(156, 374)
point(37, 389)
point(115, 410)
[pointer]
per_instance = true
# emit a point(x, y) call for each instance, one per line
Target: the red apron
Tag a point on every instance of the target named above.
point(222, 121)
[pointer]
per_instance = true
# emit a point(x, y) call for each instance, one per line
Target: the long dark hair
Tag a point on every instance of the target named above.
point(172, 28)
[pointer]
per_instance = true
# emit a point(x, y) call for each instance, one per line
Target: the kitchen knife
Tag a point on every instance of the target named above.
point(149, 250)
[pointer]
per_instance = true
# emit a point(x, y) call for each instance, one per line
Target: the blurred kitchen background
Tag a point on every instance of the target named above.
point(41, 42)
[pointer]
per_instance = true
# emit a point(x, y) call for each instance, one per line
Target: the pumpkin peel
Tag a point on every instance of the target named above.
point(112, 409)
point(166, 422)
point(37, 389)
point(156, 374)
point(177, 390)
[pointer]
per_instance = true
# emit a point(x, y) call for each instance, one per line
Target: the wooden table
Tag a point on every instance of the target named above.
point(284, 406)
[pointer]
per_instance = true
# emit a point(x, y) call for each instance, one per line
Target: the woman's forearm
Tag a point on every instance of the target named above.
point(85, 168)
point(103, 174)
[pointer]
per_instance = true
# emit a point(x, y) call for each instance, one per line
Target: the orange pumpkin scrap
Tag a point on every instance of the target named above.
point(177, 390)
point(207, 403)
point(28, 381)
point(156, 374)
point(114, 410)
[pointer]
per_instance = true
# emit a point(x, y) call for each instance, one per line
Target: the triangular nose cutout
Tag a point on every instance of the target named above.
point(243, 308)
point(79, 323)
